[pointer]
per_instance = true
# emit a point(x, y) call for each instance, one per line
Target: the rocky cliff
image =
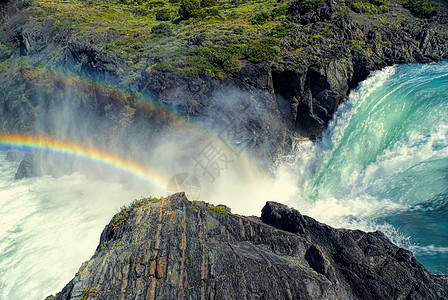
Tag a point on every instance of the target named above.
point(176, 249)
point(292, 71)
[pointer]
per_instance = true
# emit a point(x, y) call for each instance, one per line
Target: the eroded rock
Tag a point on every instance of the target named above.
point(176, 249)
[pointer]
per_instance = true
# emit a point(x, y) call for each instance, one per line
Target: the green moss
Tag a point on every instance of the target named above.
point(219, 210)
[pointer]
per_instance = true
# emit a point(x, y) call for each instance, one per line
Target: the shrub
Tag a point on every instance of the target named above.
point(161, 30)
point(304, 6)
point(153, 4)
point(189, 9)
point(212, 12)
point(260, 18)
point(369, 7)
point(280, 30)
point(263, 50)
point(238, 30)
point(163, 67)
point(121, 217)
point(163, 15)
point(219, 59)
point(423, 8)
point(357, 45)
point(209, 3)
point(219, 210)
point(5, 52)
point(279, 11)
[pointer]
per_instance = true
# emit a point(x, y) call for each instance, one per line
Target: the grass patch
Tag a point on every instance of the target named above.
point(121, 217)
point(369, 7)
point(219, 210)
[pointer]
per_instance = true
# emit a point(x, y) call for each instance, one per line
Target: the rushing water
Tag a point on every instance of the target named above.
point(48, 227)
point(383, 163)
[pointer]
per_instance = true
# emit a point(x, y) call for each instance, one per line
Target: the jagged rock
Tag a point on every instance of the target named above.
point(28, 167)
point(176, 249)
point(41, 163)
point(14, 156)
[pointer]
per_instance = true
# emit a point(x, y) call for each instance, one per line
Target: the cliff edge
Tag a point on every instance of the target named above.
point(175, 249)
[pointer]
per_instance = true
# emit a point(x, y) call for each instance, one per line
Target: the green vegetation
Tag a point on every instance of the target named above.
point(280, 11)
point(304, 6)
point(357, 45)
point(89, 293)
point(260, 18)
point(280, 30)
point(369, 7)
point(161, 30)
point(423, 8)
point(263, 50)
point(209, 3)
point(190, 9)
point(125, 211)
point(218, 209)
point(163, 14)
point(189, 37)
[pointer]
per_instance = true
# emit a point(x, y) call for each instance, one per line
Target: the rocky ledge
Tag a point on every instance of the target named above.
point(174, 249)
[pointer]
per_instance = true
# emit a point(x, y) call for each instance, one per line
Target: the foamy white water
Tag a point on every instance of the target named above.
point(49, 226)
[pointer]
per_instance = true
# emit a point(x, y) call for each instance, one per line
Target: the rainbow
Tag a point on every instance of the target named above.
point(45, 143)
point(135, 100)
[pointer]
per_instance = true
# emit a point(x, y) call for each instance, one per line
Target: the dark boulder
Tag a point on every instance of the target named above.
point(28, 167)
point(14, 156)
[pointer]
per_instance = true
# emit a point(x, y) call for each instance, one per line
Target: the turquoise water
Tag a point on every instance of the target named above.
point(383, 163)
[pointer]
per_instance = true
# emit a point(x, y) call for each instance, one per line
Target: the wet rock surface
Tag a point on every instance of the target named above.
point(28, 167)
point(176, 249)
point(14, 156)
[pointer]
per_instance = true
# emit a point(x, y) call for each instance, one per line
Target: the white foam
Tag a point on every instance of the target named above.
point(429, 249)
point(48, 227)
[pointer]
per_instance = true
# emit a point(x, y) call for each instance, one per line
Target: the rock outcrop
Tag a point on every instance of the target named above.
point(41, 163)
point(28, 167)
point(176, 249)
point(14, 156)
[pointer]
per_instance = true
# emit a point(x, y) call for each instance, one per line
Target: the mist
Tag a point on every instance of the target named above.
point(229, 149)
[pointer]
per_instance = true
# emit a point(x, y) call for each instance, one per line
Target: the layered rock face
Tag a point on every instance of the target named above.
point(176, 249)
